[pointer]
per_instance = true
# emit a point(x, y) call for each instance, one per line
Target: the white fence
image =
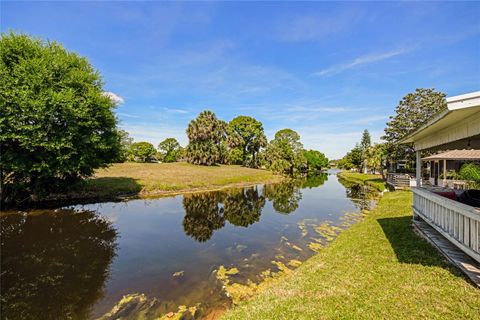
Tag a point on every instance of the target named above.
point(400, 181)
point(457, 222)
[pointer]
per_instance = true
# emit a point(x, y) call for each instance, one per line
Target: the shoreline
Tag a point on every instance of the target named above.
point(83, 198)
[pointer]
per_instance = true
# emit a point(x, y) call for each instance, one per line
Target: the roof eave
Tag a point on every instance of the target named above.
point(409, 138)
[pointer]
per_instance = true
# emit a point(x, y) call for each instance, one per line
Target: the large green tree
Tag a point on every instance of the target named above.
point(245, 138)
point(56, 123)
point(284, 154)
point(207, 135)
point(170, 150)
point(413, 110)
point(142, 151)
point(315, 160)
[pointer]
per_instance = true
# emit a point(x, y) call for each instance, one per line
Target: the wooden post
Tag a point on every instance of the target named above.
point(419, 168)
point(444, 173)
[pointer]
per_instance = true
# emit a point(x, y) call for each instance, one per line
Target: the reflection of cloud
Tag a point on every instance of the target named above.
point(114, 97)
point(362, 60)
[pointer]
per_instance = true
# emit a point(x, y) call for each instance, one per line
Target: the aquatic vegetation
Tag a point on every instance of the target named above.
point(223, 273)
point(350, 218)
point(138, 306)
point(315, 246)
point(281, 266)
point(238, 292)
point(178, 273)
point(327, 231)
point(289, 244)
point(294, 263)
point(303, 227)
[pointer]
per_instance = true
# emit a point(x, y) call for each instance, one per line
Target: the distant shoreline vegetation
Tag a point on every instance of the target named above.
point(58, 126)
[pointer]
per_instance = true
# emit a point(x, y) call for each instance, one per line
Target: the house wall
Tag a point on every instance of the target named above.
point(463, 129)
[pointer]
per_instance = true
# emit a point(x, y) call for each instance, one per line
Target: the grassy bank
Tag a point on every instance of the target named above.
point(377, 269)
point(148, 179)
point(372, 180)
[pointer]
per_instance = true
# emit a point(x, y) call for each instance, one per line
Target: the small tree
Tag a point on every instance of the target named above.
point(56, 123)
point(142, 151)
point(125, 143)
point(365, 144)
point(206, 136)
point(169, 150)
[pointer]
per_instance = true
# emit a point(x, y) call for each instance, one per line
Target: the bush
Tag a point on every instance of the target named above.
point(470, 172)
point(56, 123)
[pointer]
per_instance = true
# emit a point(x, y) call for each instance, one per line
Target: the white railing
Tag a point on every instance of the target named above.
point(399, 180)
point(457, 222)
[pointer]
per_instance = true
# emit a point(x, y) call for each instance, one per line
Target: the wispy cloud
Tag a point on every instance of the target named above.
point(175, 110)
point(362, 60)
point(127, 115)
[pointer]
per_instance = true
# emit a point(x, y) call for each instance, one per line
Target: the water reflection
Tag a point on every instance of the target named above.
point(284, 196)
point(207, 212)
point(243, 207)
point(361, 195)
point(203, 215)
point(54, 263)
point(314, 180)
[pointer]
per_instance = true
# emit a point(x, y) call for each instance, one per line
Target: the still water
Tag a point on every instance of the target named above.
point(79, 262)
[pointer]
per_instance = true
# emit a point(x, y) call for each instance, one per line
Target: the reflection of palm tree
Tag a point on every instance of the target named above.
point(203, 215)
point(285, 196)
point(243, 206)
point(54, 264)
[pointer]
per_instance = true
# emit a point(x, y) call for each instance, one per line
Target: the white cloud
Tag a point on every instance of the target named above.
point(362, 60)
point(127, 115)
point(173, 110)
point(114, 97)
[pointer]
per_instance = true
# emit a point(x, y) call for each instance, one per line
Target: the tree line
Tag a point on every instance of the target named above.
point(241, 141)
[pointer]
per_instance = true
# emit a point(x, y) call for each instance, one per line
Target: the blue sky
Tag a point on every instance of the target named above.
point(327, 70)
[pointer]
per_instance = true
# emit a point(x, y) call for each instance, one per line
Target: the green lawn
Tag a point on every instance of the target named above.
point(373, 180)
point(377, 269)
point(146, 179)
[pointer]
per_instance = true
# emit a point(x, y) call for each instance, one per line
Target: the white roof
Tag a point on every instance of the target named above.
point(459, 110)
